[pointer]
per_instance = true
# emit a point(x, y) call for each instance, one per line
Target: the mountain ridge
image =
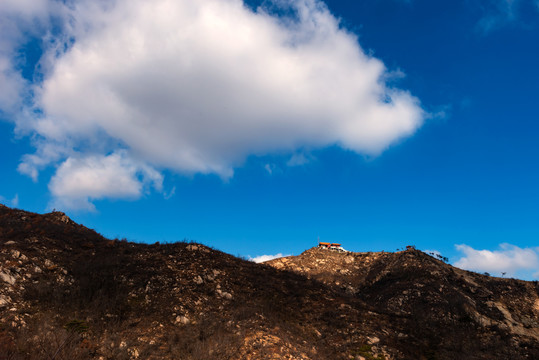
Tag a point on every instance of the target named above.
point(67, 292)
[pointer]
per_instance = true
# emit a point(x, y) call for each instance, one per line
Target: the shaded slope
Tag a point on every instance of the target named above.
point(177, 301)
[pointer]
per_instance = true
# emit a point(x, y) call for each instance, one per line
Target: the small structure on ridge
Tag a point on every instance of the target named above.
point(330, 246)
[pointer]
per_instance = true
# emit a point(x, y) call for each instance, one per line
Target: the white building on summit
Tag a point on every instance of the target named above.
point(331, 246)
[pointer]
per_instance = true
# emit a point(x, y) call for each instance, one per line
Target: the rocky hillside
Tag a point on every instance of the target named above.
point(438, 308)
point(68, 293)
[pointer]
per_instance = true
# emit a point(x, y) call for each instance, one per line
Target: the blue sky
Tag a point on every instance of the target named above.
point(257, 128)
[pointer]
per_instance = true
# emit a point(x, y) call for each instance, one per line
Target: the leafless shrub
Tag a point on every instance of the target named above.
point(44, 340)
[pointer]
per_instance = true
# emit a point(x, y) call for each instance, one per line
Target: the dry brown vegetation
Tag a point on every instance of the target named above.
point(68, 293)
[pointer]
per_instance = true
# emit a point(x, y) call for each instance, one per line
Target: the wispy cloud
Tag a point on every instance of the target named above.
point(269, 168)
point(299, 159)
point(509, 259)
point(14, 202)
point(263, 258)
point(168, 195)
point(500, 13)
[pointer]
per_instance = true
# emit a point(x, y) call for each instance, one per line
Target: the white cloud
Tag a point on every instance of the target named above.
point(26, 9)
point(15, 201)
point(47, 152)
point(12, 203)
point(509, 259)
point(197, 86)
point(436, 253)
point(80, 180)
point(18, 20)
point(263, 258)
point(11, 86)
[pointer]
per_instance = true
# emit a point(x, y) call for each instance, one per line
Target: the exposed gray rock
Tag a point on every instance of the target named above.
point(184, 320)
point(4, 301)
point(48, 263)
point(224, 294)
point(7, 278)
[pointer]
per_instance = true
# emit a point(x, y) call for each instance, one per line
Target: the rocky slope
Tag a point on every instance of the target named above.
point(439, 309)
point(68, 293)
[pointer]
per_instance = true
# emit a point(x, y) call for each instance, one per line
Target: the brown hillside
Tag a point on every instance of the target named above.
point(438, 308)
point(68, 293)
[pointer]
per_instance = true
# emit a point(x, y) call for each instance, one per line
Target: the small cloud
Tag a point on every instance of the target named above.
point(269, 168)
point(79, 181)
point(263, 258)
point(394, 75)
point(171, 193)
point(299, 159)
point(509, 259)
point(12, 203)
point(46, 154)
point(435, 253)
point(442, 113)
point(500, 13)
point(26, 169)
point(15, 201)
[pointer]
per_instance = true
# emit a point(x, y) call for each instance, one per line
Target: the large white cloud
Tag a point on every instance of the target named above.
point(510, 259)
point(20, 19)
point(197, 86)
